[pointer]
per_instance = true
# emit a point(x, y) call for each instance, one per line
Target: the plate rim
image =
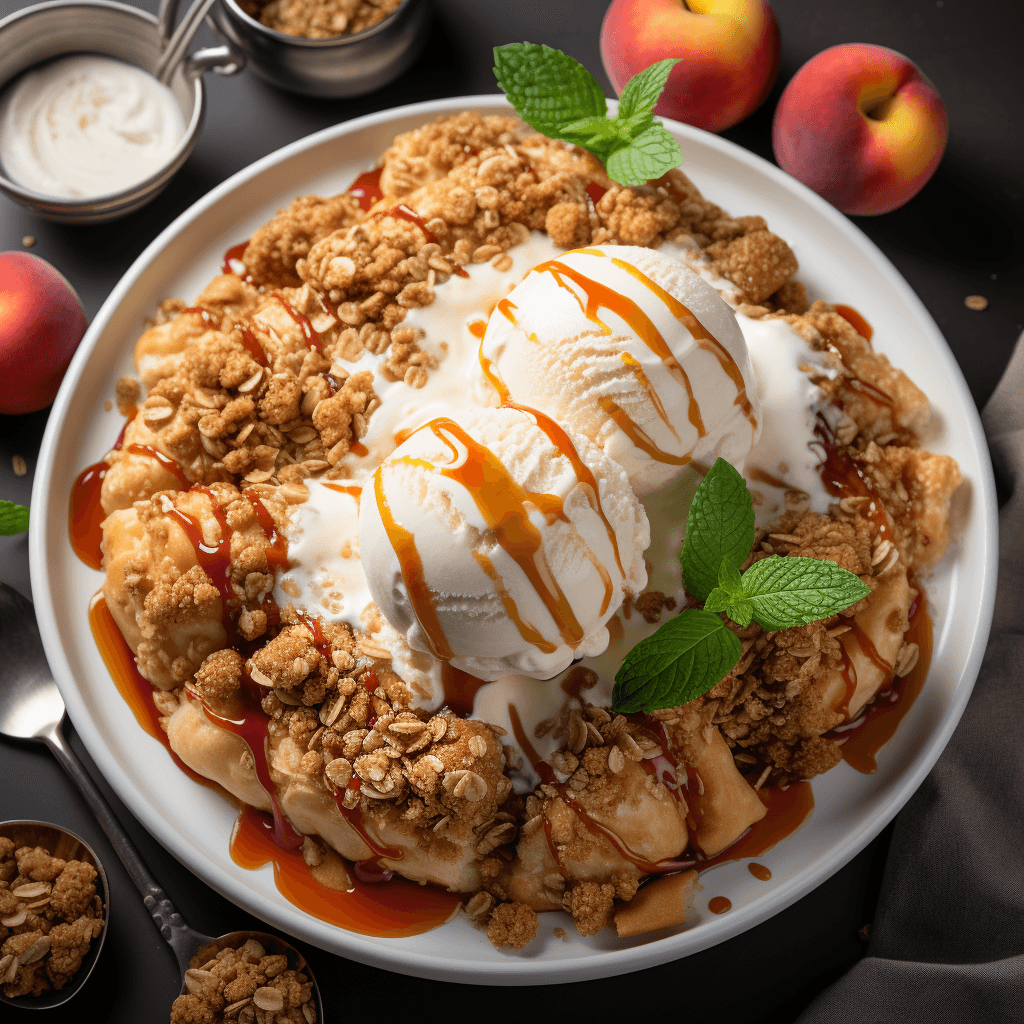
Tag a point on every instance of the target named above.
point(602, 963)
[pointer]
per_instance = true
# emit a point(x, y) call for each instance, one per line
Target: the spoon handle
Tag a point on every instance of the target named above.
point(167, 15)
point(175, 47)
point(182, 939)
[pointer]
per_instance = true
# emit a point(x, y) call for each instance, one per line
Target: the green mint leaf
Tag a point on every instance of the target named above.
point(729, 578)
point(548, 88)
point(650, 155)
point(685, 658)
point(719, 529)
point(643, 90)
point(597, 135)
point(13, 518)
point(740, 610)
point(789, 591)
point(729, 596)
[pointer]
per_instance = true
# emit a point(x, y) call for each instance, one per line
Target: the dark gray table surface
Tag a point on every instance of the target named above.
point(961, 235)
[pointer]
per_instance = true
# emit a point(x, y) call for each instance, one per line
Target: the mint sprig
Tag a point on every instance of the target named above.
point(556, 96)
point(690, 654)
point(13, 518)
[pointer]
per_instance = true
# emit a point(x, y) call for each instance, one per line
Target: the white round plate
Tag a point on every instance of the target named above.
point(837, 262)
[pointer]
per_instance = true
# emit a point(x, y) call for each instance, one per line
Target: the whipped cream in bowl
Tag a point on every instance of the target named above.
point(87, 125)
point(87, 132)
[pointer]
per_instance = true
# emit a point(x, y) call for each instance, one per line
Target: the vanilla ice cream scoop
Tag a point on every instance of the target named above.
point(497, 542)
point(631, 348)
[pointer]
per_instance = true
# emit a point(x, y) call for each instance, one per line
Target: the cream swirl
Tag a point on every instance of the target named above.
point(87, 126)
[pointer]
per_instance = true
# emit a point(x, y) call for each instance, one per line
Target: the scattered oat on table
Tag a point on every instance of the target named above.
point(977, 302)
point(20, 469)
point(28, 241)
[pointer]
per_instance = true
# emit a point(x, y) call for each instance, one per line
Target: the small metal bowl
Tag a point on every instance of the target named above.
point(329, 68)
point(63, 27)
point(64, 844)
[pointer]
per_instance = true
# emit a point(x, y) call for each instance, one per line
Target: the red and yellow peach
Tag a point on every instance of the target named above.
point(728, 51)
point(41, 324)
point(862, 126)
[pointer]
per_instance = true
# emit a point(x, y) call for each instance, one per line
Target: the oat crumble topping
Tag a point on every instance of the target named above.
point(319, 19)
point(50, 914)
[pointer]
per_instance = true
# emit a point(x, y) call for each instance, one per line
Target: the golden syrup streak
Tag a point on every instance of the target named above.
point(403, 542)
point(502, 503)
point(600, 296)
point(527, 630)
point(561, 440)
point(641, 378)
point(704, 338)
point(640, 438)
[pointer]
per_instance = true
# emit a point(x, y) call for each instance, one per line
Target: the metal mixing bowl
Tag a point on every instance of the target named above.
point(330, 68)
point(63, 27)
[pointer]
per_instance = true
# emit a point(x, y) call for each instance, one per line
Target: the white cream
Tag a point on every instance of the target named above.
point(325, 576)
point(87, 126)
point(446, 337)
point(789, 404)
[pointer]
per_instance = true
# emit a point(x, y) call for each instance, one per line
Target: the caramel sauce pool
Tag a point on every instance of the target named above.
point(390, 909)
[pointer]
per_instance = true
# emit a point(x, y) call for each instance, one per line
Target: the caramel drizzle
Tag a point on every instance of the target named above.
point(309, 333)
point(403, 542)
point(406, 213)
point(277, 549)
point(173, 466)
point(764, 477)
point(595, 828)
point(252, 726)
point(704, 338)
point(599, 296)
point(561, 440)
point(527, 630)
point(843, 477)
point(640, 438)
point(503, 504)
point(354, 490)
point(849, 670)
point(642, 379)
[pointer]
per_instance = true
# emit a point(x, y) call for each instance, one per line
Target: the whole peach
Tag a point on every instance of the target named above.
point(41, 324)
point(862, 126)
point(728, 50)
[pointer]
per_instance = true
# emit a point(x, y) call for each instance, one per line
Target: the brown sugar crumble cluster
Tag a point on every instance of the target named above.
point(319, 19)
point(248, 392)
point(246, 985)
point(50, 914)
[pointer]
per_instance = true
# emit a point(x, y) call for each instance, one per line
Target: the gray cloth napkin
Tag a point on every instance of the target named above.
point(947, 942)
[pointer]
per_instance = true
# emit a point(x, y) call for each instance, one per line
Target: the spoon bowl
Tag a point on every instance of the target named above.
point(60, 842)
point(31, 708)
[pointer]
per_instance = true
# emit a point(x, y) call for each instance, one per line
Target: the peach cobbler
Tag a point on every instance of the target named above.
point(410, 479)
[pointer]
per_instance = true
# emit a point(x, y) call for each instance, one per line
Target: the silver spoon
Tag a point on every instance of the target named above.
point(61, 842)
point(173, 44)
point(31, 708)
